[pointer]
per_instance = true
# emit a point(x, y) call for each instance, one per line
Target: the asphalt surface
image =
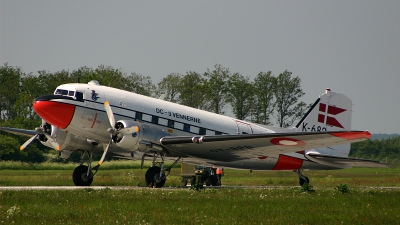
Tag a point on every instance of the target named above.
point(21, 188)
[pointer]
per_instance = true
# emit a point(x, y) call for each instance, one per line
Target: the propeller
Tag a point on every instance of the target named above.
point(113, 131)
point(39, 131)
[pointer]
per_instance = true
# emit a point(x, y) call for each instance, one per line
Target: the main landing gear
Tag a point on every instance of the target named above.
point(83, 175)
point(156, 175)
point(302, 179)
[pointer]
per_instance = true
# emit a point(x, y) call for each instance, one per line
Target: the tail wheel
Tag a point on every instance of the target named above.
point(153, 177)
point(304, 180)
point(80, 177)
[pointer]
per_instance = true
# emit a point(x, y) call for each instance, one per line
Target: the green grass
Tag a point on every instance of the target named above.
point(210, 206)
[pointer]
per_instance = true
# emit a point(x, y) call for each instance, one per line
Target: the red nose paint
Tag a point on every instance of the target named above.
point(56, 113)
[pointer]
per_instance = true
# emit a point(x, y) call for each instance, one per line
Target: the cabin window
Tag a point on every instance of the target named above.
point(71, 93)
point(171, 123)
point(218, 133)
point(202, 131)
point(138, 115)
point(154, 119)
point(186, 127)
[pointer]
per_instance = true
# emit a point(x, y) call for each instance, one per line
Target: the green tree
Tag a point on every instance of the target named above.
point(49, 81)
point(170, 86)
point(10, 78)
point(240, 95)
point(216, 88)
point(140, 84)
point(384, 150)
point(8, 145)
point(287, 93)
point(263, 106)
point(105, 75)
point(191, 90)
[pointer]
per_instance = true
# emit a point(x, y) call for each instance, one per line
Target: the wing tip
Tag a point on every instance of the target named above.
point(351, 135)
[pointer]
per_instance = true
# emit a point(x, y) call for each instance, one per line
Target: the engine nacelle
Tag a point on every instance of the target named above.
point(68, 142)
point(53, 131)
point(146, 138)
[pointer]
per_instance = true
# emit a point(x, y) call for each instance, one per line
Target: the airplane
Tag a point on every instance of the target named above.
point(106, 121)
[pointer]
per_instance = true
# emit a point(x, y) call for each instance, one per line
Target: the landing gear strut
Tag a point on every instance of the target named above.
point(302, 179)
point(156, 175)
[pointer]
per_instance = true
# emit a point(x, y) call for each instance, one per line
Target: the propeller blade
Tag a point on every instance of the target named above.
point(129, 130)
point(104, 153)
point(109, 113)
point(53, 141)
point(28, 142)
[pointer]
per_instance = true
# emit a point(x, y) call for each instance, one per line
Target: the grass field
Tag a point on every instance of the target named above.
point(210, 206)
point(286, 205)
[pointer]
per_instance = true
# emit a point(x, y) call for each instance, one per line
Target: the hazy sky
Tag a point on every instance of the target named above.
point(352, 47)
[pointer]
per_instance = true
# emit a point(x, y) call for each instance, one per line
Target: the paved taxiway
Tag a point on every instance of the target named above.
point(125, 187)
point(21, 188)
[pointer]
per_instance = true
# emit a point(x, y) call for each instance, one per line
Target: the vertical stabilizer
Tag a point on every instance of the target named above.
point(331, 112)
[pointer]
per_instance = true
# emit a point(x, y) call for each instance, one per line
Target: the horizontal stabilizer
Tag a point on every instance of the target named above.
point(344, 162)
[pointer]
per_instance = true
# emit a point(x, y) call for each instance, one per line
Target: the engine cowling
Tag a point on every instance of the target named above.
point(146, 137)
point(67, 142)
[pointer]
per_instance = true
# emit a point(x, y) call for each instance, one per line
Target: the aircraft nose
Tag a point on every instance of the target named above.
point(56, 113)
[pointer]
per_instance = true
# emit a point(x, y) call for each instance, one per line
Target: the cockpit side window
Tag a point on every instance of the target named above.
point(71, 93)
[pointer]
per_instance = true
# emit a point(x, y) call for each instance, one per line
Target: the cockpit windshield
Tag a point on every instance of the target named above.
point(61, 92)
point(77, 95)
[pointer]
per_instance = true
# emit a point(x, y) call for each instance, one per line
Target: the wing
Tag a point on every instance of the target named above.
point(237, 147)
point(27, 133)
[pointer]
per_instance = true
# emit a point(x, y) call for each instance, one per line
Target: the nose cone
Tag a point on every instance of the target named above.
point(56, 113)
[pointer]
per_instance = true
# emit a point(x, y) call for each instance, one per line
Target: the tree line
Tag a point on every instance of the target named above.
point(384, 150)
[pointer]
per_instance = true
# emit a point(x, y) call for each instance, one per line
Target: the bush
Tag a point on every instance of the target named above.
point(342, 188)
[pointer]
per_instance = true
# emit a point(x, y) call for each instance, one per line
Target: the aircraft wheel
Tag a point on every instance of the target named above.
point(80, 178)
point(303, 180)
point(152, 175)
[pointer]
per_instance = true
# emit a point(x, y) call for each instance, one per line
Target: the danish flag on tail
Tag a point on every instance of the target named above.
point(332, 110)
